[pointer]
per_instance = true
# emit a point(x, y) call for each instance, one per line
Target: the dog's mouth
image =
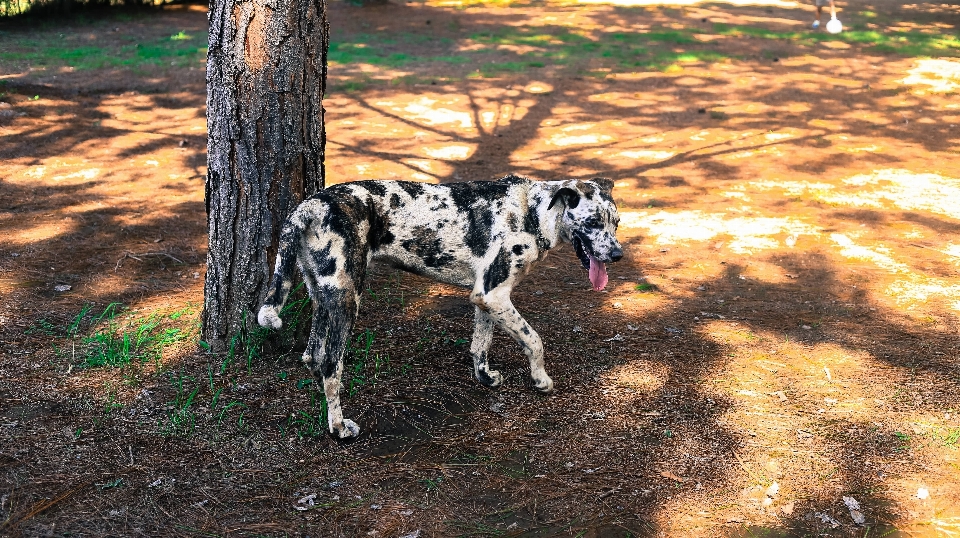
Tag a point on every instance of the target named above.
point(596, 269)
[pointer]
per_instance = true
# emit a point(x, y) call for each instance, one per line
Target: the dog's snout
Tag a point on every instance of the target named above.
point(616, 254)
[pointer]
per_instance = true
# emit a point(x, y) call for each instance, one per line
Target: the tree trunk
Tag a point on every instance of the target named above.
point(266, 74)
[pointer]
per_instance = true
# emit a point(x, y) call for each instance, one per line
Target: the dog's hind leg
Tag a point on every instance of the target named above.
point(341, 307)
point(500, 309)
point(482, 336)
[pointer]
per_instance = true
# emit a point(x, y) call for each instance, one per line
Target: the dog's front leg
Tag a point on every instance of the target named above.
point(498, 307)
point(482, 336)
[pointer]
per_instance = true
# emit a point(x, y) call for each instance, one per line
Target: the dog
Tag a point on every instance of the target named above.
point(483, 235)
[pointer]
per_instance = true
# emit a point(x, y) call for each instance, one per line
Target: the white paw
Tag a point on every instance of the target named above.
point(349, 429)
point(267, 317)
point(543, 385)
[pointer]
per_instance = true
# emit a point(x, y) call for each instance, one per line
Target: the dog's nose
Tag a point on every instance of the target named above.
point(616, 254)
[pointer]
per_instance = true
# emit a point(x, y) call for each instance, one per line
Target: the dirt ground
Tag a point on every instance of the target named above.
point(779, 343)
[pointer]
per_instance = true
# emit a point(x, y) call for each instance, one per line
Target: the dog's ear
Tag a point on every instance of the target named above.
point(605, 184)
point(570, 198)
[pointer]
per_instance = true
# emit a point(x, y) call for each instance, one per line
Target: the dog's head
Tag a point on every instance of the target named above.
point(589, 221)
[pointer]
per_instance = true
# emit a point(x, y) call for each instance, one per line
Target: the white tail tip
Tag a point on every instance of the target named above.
point(268, 317)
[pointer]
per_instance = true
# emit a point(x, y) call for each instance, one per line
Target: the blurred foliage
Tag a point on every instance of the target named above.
point(56, 8)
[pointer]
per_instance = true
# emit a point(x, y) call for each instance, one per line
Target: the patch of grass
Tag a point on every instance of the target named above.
point(909, 43)
point(181, 419)
point(309, 423)
point(117, 342)
point(110, 484)
point(645, 287)
point(181, 49)
point(494, 68)
point(432, 484)
point(374, 50)
point(363, 366)
point(113, 338)
point(949, 437)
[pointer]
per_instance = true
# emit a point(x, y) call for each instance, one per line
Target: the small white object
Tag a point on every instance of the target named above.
point(62, 287)
point(834, 26)
point(826, 519)
point(922, 493)
point(854, 507)
point(773, 490)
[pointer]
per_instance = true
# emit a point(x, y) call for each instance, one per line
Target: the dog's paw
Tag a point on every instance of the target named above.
point(543, 385)
point(268, 317)
point(491, 378)
point(349, 430)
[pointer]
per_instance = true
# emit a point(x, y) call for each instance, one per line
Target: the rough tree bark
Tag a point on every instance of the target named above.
point(266, 74)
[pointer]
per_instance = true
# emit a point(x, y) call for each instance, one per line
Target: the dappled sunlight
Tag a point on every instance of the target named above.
point(794, 404)
point(632, 3)
point(780, 334)
point(745, 234)
point(934, 75)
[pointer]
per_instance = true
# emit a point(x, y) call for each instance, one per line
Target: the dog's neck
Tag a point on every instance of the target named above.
point(550, 220)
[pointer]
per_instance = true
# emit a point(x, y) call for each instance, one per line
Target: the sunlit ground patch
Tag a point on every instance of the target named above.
point(424, 110)
point(901, 188)
point(647, 155)
point(934, 75)
point(747, 234)
point(776, 3)
point(450, 153)
point(904, 189)
point(849, 249)
point(920, 290)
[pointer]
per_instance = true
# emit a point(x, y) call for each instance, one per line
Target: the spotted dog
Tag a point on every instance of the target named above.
point(484, 236)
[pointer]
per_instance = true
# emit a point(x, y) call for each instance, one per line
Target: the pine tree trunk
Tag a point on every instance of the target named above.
point(266, 74)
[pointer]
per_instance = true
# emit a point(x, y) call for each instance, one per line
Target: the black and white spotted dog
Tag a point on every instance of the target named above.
point(484, 236)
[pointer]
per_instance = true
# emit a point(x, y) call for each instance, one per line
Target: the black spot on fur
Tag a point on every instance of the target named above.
point(482, 376)
point(587, 189)
point(525, 330)
point(395, 201)
point(379, 224)
point(412, 188)
point(479, 224)
point(476, 199)
point(427, 246)
point(512, 222)
point(498, 271)
point(326, 264)
point(606, 188)
point(374, 187)
point(344, 213)
point(517, 249)
point(570, 198)
point(531, 225)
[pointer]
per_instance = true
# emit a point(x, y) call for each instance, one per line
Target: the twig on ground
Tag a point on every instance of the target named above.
point(137, 257)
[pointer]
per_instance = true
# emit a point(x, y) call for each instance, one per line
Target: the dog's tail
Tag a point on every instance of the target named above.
point(282, 281)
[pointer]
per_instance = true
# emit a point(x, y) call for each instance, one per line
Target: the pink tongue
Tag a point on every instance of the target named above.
point(598, 274)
